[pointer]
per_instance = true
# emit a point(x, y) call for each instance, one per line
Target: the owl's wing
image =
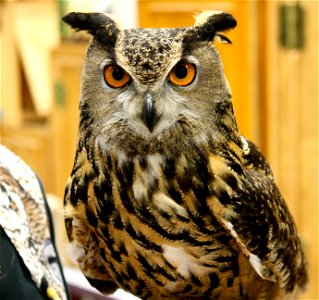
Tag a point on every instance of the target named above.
point(254, 213)
point(83, 238)
point(85, 251)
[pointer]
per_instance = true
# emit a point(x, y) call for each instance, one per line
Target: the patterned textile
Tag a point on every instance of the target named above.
point(24, 219)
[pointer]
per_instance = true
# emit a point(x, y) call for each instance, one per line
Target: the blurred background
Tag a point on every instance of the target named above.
point(272, 67)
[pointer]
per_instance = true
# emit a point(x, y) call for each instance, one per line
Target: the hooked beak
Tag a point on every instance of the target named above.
point(148, 112)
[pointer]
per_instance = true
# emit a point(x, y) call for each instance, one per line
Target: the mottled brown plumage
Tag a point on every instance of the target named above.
point(166, 199)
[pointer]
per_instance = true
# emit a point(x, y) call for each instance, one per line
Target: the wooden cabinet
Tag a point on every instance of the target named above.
point(33, 143)
point(291, 121)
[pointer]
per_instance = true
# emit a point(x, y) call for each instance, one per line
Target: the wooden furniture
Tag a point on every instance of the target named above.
point(290, 99)
point(32, 142)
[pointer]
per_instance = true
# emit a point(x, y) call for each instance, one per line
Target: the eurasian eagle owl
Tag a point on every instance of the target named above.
point(166, 199)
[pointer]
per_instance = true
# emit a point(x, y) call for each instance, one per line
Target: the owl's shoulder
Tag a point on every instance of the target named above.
point(254, 159)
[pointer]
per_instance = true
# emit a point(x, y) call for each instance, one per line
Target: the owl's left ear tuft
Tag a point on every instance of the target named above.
point(209, 24)
point(217, 20)
point(100, 25)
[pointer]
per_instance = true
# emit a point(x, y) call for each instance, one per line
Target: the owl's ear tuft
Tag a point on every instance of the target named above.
point(209, 24)
point(99, 25)
point(216, 20)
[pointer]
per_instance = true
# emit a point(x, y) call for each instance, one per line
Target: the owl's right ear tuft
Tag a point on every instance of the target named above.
point(99, 25)
point(210, 24)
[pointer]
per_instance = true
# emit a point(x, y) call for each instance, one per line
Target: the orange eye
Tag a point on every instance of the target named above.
point(115, 76)
point(183, 74)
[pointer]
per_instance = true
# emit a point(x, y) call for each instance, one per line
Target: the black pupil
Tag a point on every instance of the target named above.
point(118, 73)
point(181, 71)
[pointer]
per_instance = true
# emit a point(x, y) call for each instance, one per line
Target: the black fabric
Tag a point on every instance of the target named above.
point(15, 279)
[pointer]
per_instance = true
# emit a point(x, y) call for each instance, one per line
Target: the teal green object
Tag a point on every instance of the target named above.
point(59, 93)
point(62, 6)
point(291, 26)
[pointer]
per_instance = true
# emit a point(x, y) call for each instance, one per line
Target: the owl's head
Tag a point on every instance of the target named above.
point(144, 83)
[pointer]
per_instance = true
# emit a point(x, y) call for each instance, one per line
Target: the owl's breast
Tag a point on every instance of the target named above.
point(151, 225)
point(160, 233)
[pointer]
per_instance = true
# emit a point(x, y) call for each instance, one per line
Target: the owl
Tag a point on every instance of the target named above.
point(166, 198)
